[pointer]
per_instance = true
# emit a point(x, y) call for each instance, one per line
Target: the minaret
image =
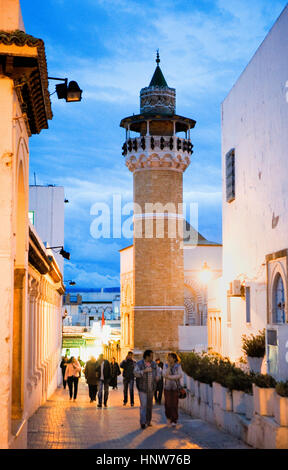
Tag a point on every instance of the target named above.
point(157, 158)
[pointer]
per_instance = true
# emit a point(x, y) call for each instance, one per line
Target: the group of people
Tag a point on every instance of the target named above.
point(99, 375)
point(152, 377)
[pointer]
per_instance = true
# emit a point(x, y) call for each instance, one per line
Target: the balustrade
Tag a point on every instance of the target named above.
point(149, 143)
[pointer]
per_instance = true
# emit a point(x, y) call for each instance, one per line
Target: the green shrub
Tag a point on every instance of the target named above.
point(239, 381)
point(254, 345)
point(264, 380)
point(209, 368)
point(282, 389)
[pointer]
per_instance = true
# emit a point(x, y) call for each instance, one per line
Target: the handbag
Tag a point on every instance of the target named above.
point(181, 391)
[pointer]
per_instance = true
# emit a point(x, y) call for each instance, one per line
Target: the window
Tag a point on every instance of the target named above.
point(230, 175)
point(31, 216)
point(278, 308)
point(248, 307)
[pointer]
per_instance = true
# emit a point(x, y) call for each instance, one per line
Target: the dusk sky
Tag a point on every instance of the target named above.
point(109, 48)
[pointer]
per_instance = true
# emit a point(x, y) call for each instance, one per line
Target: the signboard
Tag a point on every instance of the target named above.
point(73, 342)
point(90, 341)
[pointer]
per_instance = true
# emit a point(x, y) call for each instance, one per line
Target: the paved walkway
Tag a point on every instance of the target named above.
point(65, 424)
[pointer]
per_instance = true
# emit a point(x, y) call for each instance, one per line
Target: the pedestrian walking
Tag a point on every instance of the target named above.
point(72, 375)
point(147, 374)
point(159, 386)
point(173, 376)
point(63, 366)
point(115, 371)
point(91, 379)
point(128, 365)
point(82, 363)
point(103, 371)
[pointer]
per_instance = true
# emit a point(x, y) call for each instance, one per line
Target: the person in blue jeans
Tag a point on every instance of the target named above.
point(147, 374)
point(128, 377)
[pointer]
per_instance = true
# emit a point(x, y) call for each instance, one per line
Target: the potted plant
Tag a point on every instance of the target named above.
point(240, 385)
point(249, 405)
point(263, 392)
point(254, 348)
point(281, 403)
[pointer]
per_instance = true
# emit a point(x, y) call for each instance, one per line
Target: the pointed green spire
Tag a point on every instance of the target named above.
point(158, 77)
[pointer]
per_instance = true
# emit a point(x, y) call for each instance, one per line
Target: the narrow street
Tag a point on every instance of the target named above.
point(65, 424)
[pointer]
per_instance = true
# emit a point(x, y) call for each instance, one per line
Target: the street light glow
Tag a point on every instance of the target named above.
point(205, 274)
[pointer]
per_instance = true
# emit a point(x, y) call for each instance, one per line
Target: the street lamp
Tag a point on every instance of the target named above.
point(206, 273)
point(70, 92)
point(62, 252)
point(71, 283)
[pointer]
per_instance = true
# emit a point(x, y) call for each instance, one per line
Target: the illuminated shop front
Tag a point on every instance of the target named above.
point(77, 341)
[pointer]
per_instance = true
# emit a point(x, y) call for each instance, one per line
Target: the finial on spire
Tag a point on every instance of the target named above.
point(157, 58)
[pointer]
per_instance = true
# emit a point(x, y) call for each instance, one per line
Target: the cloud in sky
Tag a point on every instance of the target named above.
point(109, 46)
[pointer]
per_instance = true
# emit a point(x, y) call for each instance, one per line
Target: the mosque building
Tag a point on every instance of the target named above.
point(163, 301)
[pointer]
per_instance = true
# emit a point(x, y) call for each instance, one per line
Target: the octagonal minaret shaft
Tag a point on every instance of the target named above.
point(157, 157)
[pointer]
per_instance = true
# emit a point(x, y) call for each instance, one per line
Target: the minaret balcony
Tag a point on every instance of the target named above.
point(157, 151)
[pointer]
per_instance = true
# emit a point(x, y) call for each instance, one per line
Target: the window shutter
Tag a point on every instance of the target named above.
point(248, 308)
point(230, 175)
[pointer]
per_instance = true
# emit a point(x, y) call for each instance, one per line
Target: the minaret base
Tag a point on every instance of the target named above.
point(156, 328)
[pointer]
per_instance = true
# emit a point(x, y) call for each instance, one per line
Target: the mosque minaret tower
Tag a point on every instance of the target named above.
point(157, 157)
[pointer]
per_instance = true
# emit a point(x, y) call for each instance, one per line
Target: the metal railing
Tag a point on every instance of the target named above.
point(149, 143)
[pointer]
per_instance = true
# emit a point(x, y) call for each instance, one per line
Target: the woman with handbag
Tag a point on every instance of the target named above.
point(72, 375)
point(172, 374)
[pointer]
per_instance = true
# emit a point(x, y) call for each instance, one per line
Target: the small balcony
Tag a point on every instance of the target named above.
point(150, 143)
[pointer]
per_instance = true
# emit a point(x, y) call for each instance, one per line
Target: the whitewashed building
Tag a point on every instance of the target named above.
point(252, 294)
point(84, 306)
point(46, 213)
point(31, 284)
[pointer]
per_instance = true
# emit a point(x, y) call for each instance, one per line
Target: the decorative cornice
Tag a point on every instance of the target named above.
point(182, 122)
point(158, 160)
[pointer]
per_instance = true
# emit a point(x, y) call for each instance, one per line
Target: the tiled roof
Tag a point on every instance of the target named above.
point(35, 92)
point(19, 38)
point(195, 238)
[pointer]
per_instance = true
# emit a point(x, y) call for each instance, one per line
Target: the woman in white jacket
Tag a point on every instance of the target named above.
point(72, 375)
point(172, 374)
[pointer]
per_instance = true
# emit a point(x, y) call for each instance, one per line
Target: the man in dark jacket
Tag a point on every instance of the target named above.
point(147, 375)
point(91, 379)
point(103, 372)
point(128, 377)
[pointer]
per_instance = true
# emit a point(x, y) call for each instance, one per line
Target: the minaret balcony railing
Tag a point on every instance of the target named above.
point(150, 143)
